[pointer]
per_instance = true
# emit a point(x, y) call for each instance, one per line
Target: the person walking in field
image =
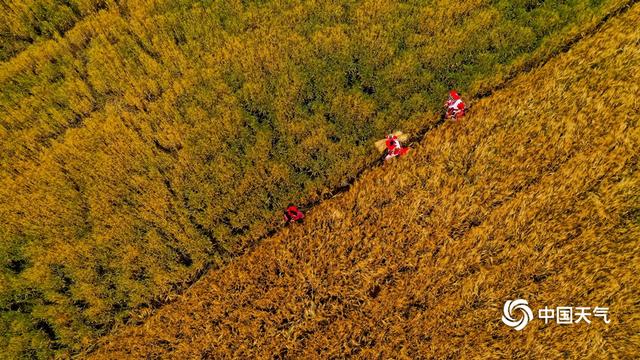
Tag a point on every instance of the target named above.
point(394, 148)
point(455, 106)
point(293, 214)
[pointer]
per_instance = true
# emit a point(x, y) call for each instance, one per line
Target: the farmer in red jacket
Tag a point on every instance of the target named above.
point(293, 214)
point(455, 106)
point(394, 148)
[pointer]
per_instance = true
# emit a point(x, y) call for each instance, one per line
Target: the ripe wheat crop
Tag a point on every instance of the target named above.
point(534, 195)
point(144, 142)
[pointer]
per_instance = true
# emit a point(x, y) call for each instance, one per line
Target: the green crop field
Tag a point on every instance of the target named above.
point(144, 144)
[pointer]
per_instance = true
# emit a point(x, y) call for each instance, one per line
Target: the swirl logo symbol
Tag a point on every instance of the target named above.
point(507, 313)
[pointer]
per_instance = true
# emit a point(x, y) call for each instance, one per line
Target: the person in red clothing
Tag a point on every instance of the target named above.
point(455, 106)
point(293, 214)
point(392, 142)
point(394, 148)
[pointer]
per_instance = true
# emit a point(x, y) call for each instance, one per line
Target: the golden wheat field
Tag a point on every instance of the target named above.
point(145, 143)
point(534, 195)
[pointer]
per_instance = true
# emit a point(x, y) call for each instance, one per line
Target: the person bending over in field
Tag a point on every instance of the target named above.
point(293, 214)
point(455, 106)
point(394, 148)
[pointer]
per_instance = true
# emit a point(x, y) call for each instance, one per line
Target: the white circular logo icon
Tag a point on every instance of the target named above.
point(507, 313)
